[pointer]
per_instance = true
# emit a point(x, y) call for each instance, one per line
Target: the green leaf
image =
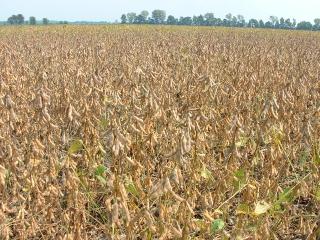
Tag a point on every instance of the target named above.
point(216, 226)
point(240, 174)
point(131, 188)
point(100, 170)
point(261, 208)
point(303, 157)
point(76, 146)
point(316, 156)
point(103, 123)
point(240, 178)
point(101, 179)
point(285, 197)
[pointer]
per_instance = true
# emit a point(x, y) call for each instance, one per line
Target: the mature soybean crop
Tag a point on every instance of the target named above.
point(130, 132)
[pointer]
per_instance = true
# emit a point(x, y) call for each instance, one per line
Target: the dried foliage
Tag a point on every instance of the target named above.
point(159, 133)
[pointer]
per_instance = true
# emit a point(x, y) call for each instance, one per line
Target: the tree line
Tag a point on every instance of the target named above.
point(19, 20)
point(159, 17)
point(209, 19)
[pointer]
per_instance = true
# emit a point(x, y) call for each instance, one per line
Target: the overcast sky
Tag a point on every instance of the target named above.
point(110, 10)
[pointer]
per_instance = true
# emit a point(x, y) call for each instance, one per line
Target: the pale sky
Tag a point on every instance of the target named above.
point(110, 10)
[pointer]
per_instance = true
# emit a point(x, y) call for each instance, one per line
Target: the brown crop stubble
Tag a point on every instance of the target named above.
point(170, 129)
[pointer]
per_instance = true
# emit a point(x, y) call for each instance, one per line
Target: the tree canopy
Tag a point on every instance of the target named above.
point(19, 19)
point(158, 16)
point(16, 19)
point(45, 21)
point(32, 21)
point(209, 19)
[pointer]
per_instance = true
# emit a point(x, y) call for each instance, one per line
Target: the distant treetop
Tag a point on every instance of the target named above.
point(209, 19)
point(158, 16)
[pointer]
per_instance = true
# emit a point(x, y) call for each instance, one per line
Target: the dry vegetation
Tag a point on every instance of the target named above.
point(159, 133)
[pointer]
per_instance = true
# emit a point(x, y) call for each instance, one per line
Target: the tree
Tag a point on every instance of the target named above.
point(32, 20)
point(123, 19)
point(16, 19)
point(218, 22)
point(234, 21)
point(268, 24)
point(159, 16)
point(229, 16)
point(171, 20)
point(304, 25)
point(145, 14)
point(241, 21)
point(294, 23)
point(261, 24)
point(12, 20)
point(201, 20)
point(185, 21)
point(316, 25)
point(282, 23)
point(131, 16)
point(198, 20)
point(209, 19)
point(225, 22)
point(45, 21)
point(273, 20)
point(288, 23)
point(228, 20)
point(151, 21)
point(317, 21)
point(253, 23)
point(20, 19)
point(140, 19)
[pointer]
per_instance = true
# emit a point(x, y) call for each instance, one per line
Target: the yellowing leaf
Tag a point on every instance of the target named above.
point(217, 211)
point(101, 149)
point(242, 141)
point(277, 134)
point(239, 237)
point(76, 146)
point(205, 173)
point(102, 180)
point(243, 209)
point(316, 156)
point(261, 208)
point(318, 194)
